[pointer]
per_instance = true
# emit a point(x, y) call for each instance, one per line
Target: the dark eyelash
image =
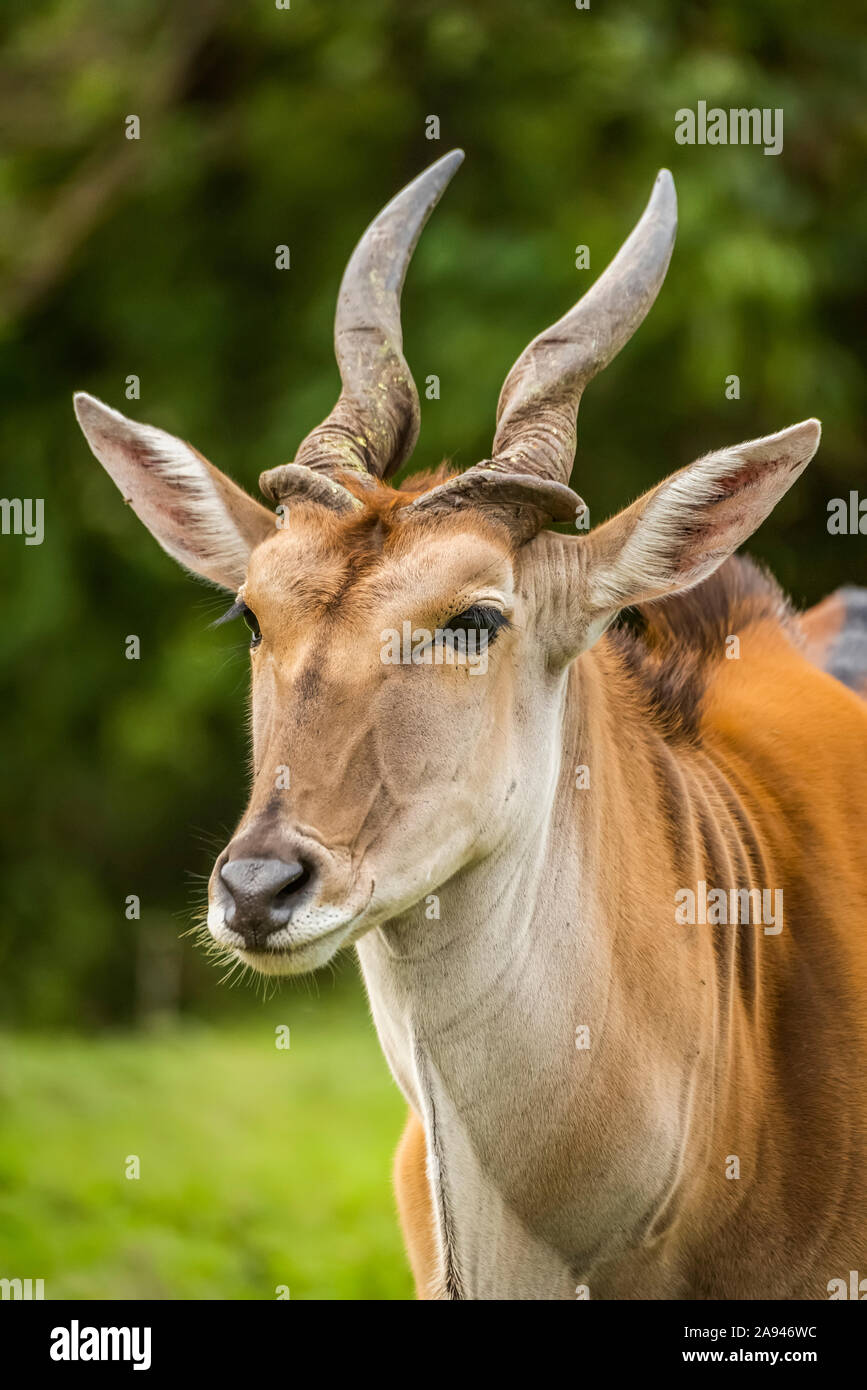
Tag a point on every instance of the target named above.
point(479, 619)
point(238, 609)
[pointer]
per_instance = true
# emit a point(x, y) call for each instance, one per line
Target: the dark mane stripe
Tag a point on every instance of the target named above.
point(669, 649)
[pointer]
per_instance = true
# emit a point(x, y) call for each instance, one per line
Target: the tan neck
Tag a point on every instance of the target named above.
point(571, 927)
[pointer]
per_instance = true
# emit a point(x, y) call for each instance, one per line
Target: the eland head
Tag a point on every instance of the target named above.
point(409, 645)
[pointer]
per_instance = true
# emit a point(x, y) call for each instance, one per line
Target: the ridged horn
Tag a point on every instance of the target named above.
point(538, 407)
point(374, 426)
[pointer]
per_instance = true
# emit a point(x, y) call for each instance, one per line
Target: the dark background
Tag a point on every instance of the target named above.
point(156, 258)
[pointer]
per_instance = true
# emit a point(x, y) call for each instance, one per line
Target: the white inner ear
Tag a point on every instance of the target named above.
point(694, 520)
point(210, 531)
point(644, 565)
point(172, 490)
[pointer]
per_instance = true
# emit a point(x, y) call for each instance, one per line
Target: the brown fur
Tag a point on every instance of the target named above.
point(415, 1207)
point(381, 499)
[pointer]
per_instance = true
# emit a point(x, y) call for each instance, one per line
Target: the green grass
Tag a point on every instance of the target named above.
point(259, 1167)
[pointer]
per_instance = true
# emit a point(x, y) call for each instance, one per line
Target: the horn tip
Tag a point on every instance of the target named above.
point(664, 189)
point(447, 166)
point(662, 205)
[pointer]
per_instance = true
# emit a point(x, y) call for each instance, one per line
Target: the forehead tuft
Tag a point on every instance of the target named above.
point(323, 559)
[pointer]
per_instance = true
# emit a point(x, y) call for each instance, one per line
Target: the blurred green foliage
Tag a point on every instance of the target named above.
point(258, 1167)
point(155, 257)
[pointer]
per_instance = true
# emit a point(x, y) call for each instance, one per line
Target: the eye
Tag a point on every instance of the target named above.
point(478, 618)
point(253, 624)
point(240, 609)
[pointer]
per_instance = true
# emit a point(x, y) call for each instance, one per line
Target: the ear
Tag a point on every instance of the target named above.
point(680, 532)
point(195, 512)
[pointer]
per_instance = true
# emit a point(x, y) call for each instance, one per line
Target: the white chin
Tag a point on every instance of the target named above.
point(298, 961)
point(308, 943)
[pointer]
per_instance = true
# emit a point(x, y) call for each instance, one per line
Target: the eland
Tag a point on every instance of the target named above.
point(615, 1088)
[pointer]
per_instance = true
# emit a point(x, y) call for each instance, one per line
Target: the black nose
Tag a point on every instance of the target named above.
point(263, 893)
